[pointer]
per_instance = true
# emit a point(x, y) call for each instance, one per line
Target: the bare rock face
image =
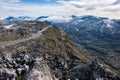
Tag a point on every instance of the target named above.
point(7, 74)
point(11, 67)
point(91, 71)
point(40, 71)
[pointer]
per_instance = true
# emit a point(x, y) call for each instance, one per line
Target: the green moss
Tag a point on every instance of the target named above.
point(51, 42)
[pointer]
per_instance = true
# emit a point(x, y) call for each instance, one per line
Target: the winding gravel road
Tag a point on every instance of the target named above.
point(34, 36)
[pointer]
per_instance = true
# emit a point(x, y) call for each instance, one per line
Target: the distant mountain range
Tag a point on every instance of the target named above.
point(54, 19)
point(100, 25)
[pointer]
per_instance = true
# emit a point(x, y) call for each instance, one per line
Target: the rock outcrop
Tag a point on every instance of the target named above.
point(40, 71)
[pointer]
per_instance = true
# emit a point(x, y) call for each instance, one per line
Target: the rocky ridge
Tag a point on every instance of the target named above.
point(51, 56)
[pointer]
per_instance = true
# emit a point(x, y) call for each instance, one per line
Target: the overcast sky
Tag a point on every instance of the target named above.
point(34, 8)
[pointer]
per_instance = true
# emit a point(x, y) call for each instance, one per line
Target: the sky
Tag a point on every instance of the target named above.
point(35, 8)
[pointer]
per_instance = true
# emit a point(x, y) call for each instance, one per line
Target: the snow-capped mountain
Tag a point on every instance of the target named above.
point(52, 19)
point(10, 19)
point(2, 18)
point(25, 18)
point(93, 23)
point(89, 23)
point(97, 35)
point(15, 19)
point(42, 18)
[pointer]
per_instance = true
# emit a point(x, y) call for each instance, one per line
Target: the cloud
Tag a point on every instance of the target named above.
point(10, 1)
point(105, 8)
point(117, 2)
point(93, 2)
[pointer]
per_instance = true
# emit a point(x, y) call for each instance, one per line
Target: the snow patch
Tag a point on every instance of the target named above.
point(2, 18)
point(109, 26)
point(9, 26)
point(78, 21)
point(76, 29)
point(108, 22)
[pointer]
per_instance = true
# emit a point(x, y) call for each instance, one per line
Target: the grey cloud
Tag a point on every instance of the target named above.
point(64, 8)
point(112, 10)
point(90, 8)
point(117, 2)
point(78, 6)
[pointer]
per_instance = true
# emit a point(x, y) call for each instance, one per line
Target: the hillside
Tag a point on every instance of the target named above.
point(45, 52)
point(96, 37)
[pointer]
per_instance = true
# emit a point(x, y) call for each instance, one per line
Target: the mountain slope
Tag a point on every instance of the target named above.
point(99, 36)
point(96, 37)
point(50, 56)
point(52, 48)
